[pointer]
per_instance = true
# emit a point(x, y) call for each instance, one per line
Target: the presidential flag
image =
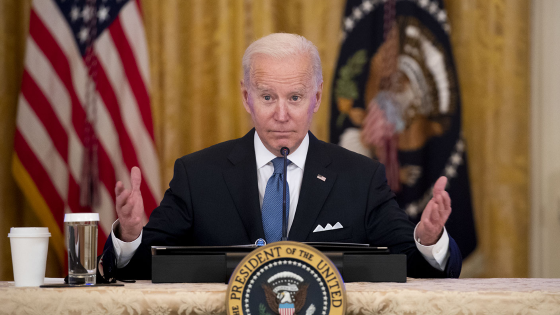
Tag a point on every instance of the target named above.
point(396, 99)
point(84, 117)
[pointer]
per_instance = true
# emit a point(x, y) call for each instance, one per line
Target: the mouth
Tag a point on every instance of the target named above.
point(281, 132)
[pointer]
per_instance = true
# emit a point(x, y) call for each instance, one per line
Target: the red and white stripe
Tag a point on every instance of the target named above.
point(49, 140)
point(286, 311)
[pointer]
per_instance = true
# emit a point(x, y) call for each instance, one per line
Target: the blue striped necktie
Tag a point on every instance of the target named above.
point(272, 203)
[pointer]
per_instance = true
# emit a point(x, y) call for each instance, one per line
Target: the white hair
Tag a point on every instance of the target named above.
point(280, 46)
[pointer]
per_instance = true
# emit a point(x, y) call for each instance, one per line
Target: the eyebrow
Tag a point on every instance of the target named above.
point(299, 90)
point(263, 88)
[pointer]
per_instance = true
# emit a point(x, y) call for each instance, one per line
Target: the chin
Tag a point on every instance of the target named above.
point(283, 142)
point(280, 146)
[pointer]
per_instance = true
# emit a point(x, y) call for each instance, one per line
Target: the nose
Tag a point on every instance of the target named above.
point(281, 111)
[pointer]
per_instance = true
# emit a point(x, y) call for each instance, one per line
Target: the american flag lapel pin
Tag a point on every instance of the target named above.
point(321, 177)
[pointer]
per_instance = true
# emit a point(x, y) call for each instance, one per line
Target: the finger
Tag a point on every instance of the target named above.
point(427, 213)
point(135, 178)
point(122, 199)
point(434, 213)
point(444, 211)
point(446, 200)
point(119, 188)
point(440, 205)
point(440, 184)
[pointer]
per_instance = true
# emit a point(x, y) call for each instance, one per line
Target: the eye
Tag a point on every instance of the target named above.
point(295, 98)
point(267, 97)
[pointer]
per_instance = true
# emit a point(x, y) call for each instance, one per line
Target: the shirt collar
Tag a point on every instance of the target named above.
point(264, 156)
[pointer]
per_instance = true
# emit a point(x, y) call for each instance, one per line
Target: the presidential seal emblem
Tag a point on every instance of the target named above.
point(286, 278)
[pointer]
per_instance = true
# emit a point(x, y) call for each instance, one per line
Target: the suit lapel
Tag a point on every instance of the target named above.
point(314, 191)
point(241, 180)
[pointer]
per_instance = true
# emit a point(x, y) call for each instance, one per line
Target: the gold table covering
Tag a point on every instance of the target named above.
point(417, 296)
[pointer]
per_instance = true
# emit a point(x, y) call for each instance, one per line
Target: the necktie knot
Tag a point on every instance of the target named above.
point(279, 165)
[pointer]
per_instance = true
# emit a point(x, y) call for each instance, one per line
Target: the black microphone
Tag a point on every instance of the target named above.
point(284, 151)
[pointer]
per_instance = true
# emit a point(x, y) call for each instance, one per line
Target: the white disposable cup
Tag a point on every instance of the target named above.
point(29, 254)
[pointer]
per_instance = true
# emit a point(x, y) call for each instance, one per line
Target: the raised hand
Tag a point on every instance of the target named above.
point(130, 207)
point(435, 214)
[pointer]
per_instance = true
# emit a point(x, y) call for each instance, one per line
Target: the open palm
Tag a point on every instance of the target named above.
point(435, 214)
point(130, 207)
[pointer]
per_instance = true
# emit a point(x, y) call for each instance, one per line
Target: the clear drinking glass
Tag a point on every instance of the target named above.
point(81, 242)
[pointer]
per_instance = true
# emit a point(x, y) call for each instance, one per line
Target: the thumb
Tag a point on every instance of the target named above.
point(440, 184)
point(135, 178)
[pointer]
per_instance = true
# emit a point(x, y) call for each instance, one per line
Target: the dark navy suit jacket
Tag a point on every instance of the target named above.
point(213, 200)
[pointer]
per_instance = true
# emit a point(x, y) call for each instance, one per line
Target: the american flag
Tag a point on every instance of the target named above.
point(84, 117)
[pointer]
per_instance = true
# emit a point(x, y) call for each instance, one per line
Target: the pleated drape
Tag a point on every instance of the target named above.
point(196, 48)
point(490, 39)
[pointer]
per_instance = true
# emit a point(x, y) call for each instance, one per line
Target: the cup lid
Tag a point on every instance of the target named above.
point(29, 232)
point(81, 217)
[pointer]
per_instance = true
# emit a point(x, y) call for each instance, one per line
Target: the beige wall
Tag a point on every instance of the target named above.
point(545, 139)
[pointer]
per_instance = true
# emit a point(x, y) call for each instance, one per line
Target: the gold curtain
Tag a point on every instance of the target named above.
point(490, 39)
point(195, 49)
point(14, 20)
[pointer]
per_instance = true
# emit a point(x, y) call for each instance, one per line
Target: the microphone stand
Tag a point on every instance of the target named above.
point(284, 151)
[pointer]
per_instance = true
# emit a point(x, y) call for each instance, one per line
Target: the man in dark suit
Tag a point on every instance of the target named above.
point(222, 195)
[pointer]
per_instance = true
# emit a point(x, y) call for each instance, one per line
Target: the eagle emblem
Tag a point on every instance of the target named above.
point(285, 293)
point(286, 278)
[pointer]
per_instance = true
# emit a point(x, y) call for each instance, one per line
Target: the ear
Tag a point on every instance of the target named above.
point(318, 96)
point(245, 96)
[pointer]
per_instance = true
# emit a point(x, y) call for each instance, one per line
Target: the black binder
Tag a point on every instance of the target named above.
point(203, 264)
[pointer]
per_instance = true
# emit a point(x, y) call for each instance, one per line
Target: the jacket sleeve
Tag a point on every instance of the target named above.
point(169, 225)
point(388, 225)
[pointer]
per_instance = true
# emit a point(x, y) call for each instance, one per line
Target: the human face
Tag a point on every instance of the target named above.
point(281, 97)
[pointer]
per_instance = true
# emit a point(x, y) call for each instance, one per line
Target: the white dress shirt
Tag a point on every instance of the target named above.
point(265, 169)
point(437, 255)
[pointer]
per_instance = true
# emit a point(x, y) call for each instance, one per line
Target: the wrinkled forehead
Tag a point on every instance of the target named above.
point(292, 70)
